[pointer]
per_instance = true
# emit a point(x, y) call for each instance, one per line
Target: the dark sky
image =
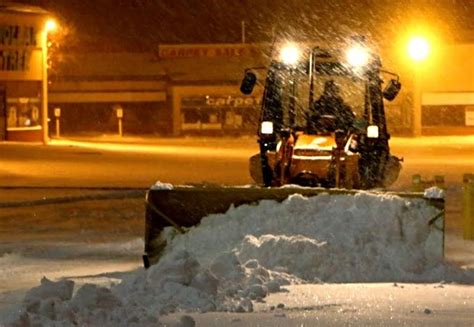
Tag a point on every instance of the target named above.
point(142, 24)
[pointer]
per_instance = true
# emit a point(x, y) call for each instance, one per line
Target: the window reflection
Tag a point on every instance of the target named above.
point(23, 112)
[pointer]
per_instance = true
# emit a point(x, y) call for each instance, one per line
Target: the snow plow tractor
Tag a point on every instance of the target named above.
point(322, 125)
point(322, 120)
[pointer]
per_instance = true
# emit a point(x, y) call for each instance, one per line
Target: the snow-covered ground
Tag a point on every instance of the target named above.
point(270, 264)
point(380, 304)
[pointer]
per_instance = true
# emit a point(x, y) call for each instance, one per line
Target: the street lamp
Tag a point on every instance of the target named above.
point(418, 50)
point(49, 26)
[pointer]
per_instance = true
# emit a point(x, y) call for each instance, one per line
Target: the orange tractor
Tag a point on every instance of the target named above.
point(322, 123)
point(314, 137)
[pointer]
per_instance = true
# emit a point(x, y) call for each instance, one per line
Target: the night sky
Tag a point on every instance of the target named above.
point(143, 24)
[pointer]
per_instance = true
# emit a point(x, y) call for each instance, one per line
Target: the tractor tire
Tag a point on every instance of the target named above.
point(391, 171)
point(255, 169)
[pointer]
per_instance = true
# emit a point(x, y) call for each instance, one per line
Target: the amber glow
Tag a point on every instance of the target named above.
point(357, 56)
point(50, 25)
point(290, 54)
point(418, 48)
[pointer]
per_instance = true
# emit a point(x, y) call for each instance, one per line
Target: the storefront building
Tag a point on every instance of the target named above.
point(214, 110)
point(448, 94)
point(194, 90)
point(22, 42)
point(178, 90)
point(191, 88)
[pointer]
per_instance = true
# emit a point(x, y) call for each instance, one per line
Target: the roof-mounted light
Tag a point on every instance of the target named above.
point(290, 55)
point(357, 56)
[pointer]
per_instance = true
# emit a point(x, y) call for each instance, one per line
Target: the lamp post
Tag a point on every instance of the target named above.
point(49, 26)
point(418, 50)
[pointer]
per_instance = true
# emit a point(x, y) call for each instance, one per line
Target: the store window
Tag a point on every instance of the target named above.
point(224, 113)
point(444, 115)
point(23, 112)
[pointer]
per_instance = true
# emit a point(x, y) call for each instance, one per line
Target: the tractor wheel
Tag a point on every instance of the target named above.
point(391, 171)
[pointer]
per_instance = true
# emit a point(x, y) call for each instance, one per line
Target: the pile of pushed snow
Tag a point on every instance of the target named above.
point(235, 258)
point(162, 186)
point(332, 238)
point(434, 192)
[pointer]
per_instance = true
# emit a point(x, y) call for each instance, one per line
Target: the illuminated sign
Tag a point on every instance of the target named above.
point(18, 35)
point(16, 41)
point(232, 101)
point(221, 101)
point(14, 60)
point(191, 51)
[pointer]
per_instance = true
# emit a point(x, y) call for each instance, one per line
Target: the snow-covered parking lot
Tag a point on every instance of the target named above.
point(273, 264)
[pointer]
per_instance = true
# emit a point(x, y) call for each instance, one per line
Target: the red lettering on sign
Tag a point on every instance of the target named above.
point(211, 51)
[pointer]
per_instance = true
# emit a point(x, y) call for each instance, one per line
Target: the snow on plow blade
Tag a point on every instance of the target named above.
point(182, 207)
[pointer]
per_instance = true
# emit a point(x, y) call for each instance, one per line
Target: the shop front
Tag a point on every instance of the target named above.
point(214, 110)
point(85, 108)
point(21, 72)
point(447, 92)
point(194, 89)
point(448, 113)
point(220, 113)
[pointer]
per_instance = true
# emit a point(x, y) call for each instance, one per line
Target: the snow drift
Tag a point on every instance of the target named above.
point(235, 258)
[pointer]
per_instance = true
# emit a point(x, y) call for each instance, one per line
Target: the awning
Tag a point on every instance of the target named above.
point(96, 97)
point(447, 98)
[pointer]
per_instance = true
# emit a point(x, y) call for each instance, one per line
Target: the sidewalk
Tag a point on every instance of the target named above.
point(467, 140)
point(204, 141)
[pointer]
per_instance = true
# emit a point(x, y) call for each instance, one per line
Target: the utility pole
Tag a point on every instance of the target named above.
point(44, 86)
point(417, 104)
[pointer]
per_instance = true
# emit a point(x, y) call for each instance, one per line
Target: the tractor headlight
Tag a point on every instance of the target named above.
point(266, 127)
point(373, 132)
point(357, 56)
point(290, 54)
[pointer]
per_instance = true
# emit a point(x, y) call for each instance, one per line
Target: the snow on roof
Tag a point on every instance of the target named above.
point(21, 8)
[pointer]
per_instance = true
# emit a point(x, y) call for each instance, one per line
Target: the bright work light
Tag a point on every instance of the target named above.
point(289, 54)
point(357, 56)
point(267, 127)
point(372, 131)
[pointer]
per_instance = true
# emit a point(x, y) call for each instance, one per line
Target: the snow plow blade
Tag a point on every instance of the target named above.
point(182, 207)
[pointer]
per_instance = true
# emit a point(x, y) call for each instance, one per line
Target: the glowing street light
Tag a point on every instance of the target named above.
point(290, 54)
point(418, 48)
point(49, 26)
